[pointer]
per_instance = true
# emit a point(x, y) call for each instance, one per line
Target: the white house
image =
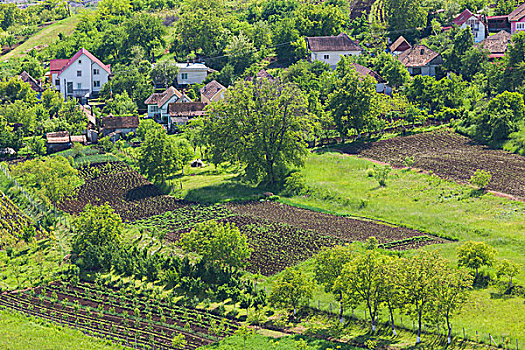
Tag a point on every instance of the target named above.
point(475, 22)
point(329, 49)
point(158, 103)
point(192, 73)
point(81, 76)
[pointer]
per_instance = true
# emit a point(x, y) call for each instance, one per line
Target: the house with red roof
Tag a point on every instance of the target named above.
point(517, 19)
point(82, 76)
point(477, 24)
point(421, 60)
point(158, 103)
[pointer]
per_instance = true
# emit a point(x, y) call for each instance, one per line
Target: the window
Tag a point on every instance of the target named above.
point(79, 86)
point(79, 73)
point(184, 76)
point(96, 83)
point(520, 26)
point(57, 82)
point(326, 57)
point(96, 71)
point(79, 61)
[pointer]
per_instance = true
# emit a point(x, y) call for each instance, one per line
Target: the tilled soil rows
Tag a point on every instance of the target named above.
point(450, 156)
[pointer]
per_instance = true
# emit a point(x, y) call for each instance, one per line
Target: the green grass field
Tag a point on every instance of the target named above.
point(260, 342)
point(47, 36)
point(18, 332)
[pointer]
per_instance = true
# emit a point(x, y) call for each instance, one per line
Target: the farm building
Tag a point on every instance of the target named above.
point(181, 113)
point(35, 84)
point(381, 84)
point(329, 49)
point(399, 46)
point(213, 91)
point(496, 44)
point(421, 60)
point(115, 127)
point(57, 141)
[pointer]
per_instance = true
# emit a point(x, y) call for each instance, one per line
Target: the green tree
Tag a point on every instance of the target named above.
point(96, 229)
point(112, 8)
point(164, 74)
point(352, 102)
point(392, 287)
point(420, 276)
point(146, 31)
point(179, 341)
point(145, 125)
point(362, 281)
point(218, 243)
point(404, 14)
point(480, 179)
point(53, 179)
point(329, 265)
point(245, 332)
point(391, 69)
point(507, 268)
point(319, 19)
point(263, 124)
point(157, 157)
point(122, 104)
point(514, 75)
point(451, 292)
point(474, 255)
point(462, 42)
point(291, 288)
point(241, 52)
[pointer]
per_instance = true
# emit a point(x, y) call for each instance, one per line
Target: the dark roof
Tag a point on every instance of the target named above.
point(57, 137)
point(27, 78)
point(418, 56)
point(518, 13)
point(262, 74)
point(186, 109)
point(362, 70)
point(112, 122)
point(342, 42)
point(211, 89)
point(401, 44)
point(497, 43)
point(161, 98)
point(463, 17)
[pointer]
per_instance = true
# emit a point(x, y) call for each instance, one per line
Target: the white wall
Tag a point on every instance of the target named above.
point(86, 66)
point(333, 56)
point(194, 76)
point(478, 31)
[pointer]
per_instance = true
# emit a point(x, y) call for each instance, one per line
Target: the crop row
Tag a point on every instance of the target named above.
point(13, 221)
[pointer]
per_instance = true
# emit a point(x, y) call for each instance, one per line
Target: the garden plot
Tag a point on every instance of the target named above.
point(134, 320)
point(450, 156)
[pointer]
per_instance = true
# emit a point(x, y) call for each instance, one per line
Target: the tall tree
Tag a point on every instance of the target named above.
point(263, 124)
point(158, 156)
point(474, 255)
point(291, 288)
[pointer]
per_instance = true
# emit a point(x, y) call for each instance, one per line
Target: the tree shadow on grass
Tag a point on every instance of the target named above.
point(233, 190)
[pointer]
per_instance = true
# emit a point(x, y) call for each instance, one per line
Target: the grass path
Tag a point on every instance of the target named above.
point(46, 36)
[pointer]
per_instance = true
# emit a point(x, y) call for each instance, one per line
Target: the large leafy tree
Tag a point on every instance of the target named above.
point(164, 74)
point(146, 31)
point(391, 69)
point(404, 14)
point(319, 19)
point(353, 100)
point(218, 243)
point(158, 156)
point(474, 255)
point(263, 124)
point(291, 288)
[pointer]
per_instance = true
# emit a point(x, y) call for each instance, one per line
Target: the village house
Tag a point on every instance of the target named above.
point(329, 49)
point(496, 44)
point(117, 127)
point(211, 92)
point(421, 60)
point(192, 73)
point(35, 84)
point(517, 19)
point(399, 46)
point(381, 84)
point(262, 74)
point(181, 113)
point(158, 103)
point(477, 24)
point(82, 76)
point(61, 140)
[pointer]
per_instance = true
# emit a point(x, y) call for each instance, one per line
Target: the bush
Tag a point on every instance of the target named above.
point(480, 179)
point(370, 172)
point(382, 174)
point(294, 185)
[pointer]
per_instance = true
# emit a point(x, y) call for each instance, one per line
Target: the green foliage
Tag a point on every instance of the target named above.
point(263, 125)
point(404, 14)
point(474, 255)
point(291, 288)
point(179, 341)
point(164, 74)
point(480, 179)
point(391, 69)
point(294, 185)
point(218, 243)
point(122, 104)
point(507, 268)
point(381, 174)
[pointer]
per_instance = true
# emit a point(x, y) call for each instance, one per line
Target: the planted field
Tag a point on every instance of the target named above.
point(283, 236)
point(134, 320)
point(125, 190)
point(13, 221)
point(450, 156)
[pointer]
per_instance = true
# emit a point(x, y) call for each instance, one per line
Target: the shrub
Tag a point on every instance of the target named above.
point(480, 179)
point(294, 185)
point(382, 174)
point(409, 162)
point(370, 172)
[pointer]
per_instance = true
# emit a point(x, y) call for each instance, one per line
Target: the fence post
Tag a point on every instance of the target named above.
point(464, 334)
point(517, 344)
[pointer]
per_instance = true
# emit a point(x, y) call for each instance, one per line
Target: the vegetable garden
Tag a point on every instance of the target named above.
point(283, 236)
point(450, 156)
point(125, 316)
point(125, 190)
point(13, 222)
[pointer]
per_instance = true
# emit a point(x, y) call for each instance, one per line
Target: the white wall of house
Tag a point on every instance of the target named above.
point(192, 73)
point(332, 57)
point(477, 27)
point(83, 75)
point(155, 112)
point(425, 70)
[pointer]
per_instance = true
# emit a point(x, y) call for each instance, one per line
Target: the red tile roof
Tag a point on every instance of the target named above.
point(362, 70)
point(211, 89)
point(56, 65)
point(186, 109)
point(418, 56)
point(160, 98)
point(342, 42)
point(463, 17)
point(517, 14)
point(81, 52)
point(112, 123)
point(497, 44)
